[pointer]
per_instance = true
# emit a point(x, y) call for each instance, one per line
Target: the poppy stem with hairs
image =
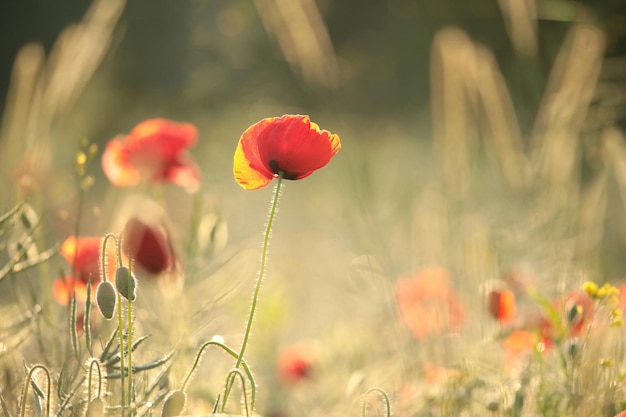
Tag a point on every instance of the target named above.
point(259, 281)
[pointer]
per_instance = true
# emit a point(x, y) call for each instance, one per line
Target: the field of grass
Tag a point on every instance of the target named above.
point(471, 267)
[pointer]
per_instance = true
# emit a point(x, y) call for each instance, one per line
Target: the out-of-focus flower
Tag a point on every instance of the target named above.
point(83, 256)
point(573, 314)
point(578, 310)
point(427, 304)
point(155, 150)
point(501, 305)
point(520, 341)
point(62, 290)
point(148, 245)
point(294, 363)
point(289, 144)
point(434, 374)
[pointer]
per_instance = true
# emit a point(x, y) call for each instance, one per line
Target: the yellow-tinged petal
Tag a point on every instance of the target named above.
point(246, 176)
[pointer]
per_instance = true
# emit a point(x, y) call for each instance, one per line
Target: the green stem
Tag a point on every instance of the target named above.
point(232, 353)
point(129, 342)
point(259, 280)
point(120, 324)
point(27, 384)
point(384, 396)
point(103, 254)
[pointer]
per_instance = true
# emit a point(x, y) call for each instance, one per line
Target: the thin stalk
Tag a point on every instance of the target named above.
point(129, 342)
point(120, 324)
point(27, 384)
point(232, 353)
point(259, 281)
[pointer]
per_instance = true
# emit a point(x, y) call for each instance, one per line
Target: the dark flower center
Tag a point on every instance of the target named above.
point(273, 165)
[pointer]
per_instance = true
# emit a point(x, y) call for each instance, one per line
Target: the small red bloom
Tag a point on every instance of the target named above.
point(578, 311)
point(156, 150)
point(427, 304)
point(84, 255)
point(294, 363)
point(501, 305)
point(289, 144)
point(148, 246)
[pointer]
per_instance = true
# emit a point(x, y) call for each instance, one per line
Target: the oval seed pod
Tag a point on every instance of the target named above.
point(174, 404)
point(126, 283)
point(106, 299)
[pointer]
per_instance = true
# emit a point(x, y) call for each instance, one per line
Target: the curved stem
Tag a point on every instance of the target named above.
point(230, 380)
point(103, 254)
point(90, 379)
point(259, 281)
point(27, 384)
point(232, 353)
point(385, 399)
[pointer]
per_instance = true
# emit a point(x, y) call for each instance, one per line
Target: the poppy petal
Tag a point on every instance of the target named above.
point(184, 175)
point(249, 171)
point(116, 165)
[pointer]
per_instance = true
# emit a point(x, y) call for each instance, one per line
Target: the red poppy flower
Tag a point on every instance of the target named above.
point(427, 304)
point(148, 245)
point(84, 254)
point(155, 150)
point(289, 144)
point(294, 363)
point(501, 305)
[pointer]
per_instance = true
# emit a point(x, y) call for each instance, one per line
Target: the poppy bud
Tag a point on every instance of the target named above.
point(174, 404)
point(106, 299)
point(95, 408)
point(126, 283)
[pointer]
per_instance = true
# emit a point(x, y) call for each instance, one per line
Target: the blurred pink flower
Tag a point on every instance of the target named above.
point(427, 304)
point(155, 150)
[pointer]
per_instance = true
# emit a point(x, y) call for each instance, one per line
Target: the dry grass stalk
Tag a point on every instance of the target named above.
point(453, 124)
point(520, 18)
point(303, 38)
point(43, 90)
point(565, 104)
point(505, 136)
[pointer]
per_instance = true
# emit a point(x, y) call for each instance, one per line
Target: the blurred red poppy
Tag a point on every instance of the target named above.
point(427, 304)
point(62, 290)
point(289, 144)
point(519, 341)
point(294, 363)
point(578, 311)
point(501, 305)
point(84, 255)
point(156, 150)
point(148, 245)
point(574, 313)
